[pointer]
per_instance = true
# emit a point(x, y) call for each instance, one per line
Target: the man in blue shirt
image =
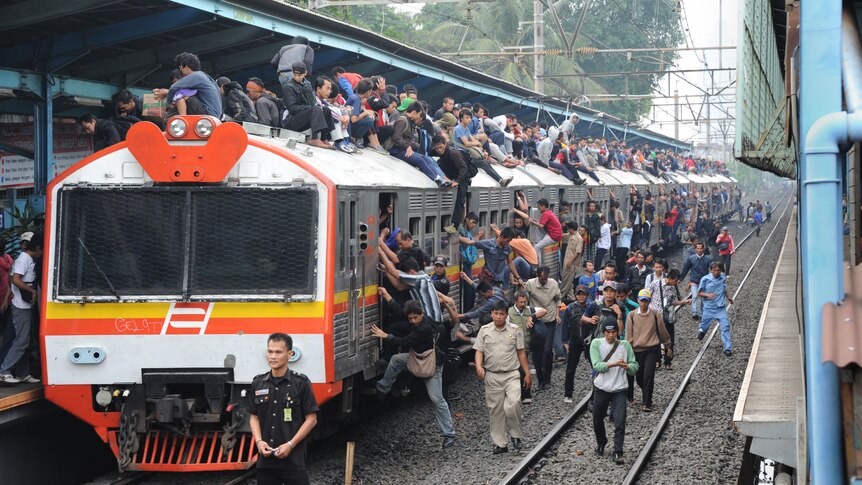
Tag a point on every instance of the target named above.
point(590, 281)
point(713, 290)
point(497, 262)
point(362, 119)
point(196, 92)
point(699, 264)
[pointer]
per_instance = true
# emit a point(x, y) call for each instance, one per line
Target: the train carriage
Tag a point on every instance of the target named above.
point(171, 256)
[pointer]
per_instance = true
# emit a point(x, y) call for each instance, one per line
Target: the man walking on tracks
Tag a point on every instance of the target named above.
point(646, 332)
point(283, 414)
point(698, 263)
point(499, 353)
point(713, 290)
point(612, 360)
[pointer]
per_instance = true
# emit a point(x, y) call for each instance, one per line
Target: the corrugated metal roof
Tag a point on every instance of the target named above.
point(842, 323)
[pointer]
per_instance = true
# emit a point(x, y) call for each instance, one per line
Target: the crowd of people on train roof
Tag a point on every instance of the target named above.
point(348, 111)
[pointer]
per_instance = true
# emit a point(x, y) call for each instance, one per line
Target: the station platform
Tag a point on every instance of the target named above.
point(15, 401)
point(771, 405)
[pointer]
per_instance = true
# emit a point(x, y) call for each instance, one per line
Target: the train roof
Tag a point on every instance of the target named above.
point(545, 177)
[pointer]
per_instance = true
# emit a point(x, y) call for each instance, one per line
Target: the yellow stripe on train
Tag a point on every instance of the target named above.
point(160, 310)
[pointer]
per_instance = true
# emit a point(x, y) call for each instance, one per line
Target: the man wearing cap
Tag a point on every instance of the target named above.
point(726, 248)
point(303, 112)
point(645, 331)
point(574, 333)
point(612, 359)
point(439, 278)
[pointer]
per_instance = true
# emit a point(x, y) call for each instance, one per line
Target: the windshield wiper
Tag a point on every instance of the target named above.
point(113, 290)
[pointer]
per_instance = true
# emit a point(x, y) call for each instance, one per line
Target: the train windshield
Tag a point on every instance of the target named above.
point(186, 243)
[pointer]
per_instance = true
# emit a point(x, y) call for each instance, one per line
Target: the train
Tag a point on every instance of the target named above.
point(171, 256)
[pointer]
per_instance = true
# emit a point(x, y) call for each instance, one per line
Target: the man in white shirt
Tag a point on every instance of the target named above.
point(24, 294)
point(603, 245)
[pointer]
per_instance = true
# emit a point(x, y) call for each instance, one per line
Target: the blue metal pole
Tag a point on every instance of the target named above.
point(822, 265)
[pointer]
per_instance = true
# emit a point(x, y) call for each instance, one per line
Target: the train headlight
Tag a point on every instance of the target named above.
point(204, 128)
point(177, 128)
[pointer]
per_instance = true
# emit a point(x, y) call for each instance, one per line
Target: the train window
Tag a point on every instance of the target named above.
point(180, 242)
point(429, 225)
point(483, 219)
point(430, 231)
point(494, 215)
point(352, 219)
point(504, 217)
point(414, 225)
point(386, 202)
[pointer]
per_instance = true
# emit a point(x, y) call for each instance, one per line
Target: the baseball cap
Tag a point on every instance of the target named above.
point(609, 284)
point(611, 326)
point(27, 236)
point(298, 67)
point(581, 289)
point(441, 260)
point(405, 103)
point(724, 228)
point(644, 294)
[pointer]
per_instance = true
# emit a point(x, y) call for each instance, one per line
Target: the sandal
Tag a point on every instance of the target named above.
point(668, 367)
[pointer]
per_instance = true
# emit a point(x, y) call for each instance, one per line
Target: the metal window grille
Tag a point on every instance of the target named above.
point(185, 242)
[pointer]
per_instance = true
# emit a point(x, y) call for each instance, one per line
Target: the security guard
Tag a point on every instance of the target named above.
point(283, 413)
point(499, 353)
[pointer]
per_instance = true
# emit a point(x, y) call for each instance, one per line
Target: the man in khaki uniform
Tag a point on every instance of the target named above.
point(571, 260)
point(499, 354)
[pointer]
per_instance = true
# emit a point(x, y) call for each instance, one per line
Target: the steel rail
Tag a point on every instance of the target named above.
point(516, 475)
point(651, 443)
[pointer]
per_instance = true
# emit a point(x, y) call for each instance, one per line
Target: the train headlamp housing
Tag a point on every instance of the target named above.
point(204, 128)
point(177, 127)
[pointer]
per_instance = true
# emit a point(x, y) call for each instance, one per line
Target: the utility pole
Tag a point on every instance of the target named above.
point(676, 113)
point(539, 45)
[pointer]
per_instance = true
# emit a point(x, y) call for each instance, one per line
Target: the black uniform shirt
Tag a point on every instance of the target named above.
point(281, 404)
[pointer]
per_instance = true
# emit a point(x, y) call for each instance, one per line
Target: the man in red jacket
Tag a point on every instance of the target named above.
point(726, 249)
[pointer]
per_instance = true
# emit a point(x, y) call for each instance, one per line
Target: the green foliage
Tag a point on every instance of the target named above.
point(25, 221)
point(490, 26)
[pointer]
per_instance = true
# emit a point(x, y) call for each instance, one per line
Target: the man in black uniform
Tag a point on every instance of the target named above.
point(283, 413)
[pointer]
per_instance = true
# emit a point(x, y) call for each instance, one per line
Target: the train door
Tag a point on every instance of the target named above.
point(355, 269)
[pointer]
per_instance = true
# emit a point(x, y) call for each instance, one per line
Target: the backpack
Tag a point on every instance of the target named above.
point(123, 123)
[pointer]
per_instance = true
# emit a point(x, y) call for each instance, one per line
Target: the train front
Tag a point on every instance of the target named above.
point(169, 259)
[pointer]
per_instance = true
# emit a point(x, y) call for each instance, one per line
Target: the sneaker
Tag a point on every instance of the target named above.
point(567, 400)
point(696, 317)
point(600, 450)
point(451, 229)
point(9, 379)
point(30, 380)
point(448, 442)
point(500, 449)
point(700, 335)
point(504, 182)
point(618, 458)
point(527, 400)
point(647, 409)
point(453, 397)
point(728, 353)
point(579, 181)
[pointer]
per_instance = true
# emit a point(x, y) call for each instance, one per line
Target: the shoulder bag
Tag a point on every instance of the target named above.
point(423, 364)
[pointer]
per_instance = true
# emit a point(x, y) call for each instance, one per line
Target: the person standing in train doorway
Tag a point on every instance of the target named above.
point(282, 414)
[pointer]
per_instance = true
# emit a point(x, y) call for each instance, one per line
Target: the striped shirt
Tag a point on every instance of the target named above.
point(422, 289)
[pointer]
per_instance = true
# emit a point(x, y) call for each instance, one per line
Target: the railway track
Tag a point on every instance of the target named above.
point(519, 473)
point(142, 477)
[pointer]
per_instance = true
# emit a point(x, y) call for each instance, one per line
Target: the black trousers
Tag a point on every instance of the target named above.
point(268, 476)
point(576, 349)
point(617, 403)
point(645, 376)
point(460, 203)
point(525, 393)
point(313, 117)
point(542, 348)
point(671, 329)
point(484, 165)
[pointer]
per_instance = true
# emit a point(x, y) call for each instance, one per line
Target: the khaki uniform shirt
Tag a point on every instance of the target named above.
point(575, 246)
point(547, 297)
point(500, 347)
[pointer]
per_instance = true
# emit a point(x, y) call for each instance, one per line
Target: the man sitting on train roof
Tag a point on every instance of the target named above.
point(545, 158)
point(472, 146)
point(195, 93)
point(402, 143)
point(303, 112)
